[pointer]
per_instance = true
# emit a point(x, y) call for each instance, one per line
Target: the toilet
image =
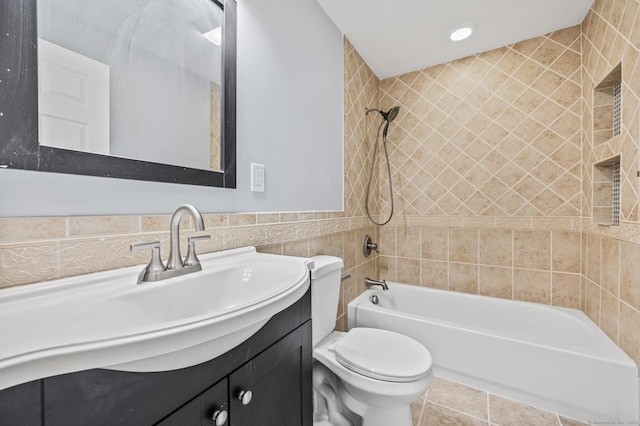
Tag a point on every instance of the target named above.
point(365, 376)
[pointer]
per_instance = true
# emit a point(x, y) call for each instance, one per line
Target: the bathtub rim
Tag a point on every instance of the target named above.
point(623, 369)
point(612, 352)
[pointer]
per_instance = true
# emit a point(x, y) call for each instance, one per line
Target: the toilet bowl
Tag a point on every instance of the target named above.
point(370, 384)
point(364, 376)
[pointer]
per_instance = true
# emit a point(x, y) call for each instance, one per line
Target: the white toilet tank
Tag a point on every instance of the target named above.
point(325, 294)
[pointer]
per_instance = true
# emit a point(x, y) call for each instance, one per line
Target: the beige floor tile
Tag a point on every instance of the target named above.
point(504, 412)
point(570, 422)
point(437, 415)
point(451, 403)
point(416, 408)
point(458, 397)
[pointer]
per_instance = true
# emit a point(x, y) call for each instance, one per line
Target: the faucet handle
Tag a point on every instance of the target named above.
point(155, 266)
point(368, 245)
point(143, 246)
point(191, 258)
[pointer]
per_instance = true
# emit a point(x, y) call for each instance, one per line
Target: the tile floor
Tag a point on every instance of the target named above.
point(450, 403)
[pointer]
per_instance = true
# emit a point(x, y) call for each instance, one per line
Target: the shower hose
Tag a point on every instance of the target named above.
point(373, 162)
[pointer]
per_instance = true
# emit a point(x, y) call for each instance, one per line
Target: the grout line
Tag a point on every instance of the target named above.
point(423, 406)
point(478, 261)
point(488, 408)
point(618, 295)
point(448, 261)
point(513, 265)
point(599, 283)
point(551, 269)
point(488, 395)
point(58, 256)
point(459, 411)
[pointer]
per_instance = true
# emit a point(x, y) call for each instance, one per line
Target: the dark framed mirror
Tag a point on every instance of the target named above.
point(201, 102)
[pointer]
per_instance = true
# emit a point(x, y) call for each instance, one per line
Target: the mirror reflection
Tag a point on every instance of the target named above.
point(133, 79)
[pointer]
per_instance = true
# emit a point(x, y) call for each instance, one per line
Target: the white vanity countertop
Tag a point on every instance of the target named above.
point(107, 320)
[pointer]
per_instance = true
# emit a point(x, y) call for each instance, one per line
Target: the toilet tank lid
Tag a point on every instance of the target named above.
point(325, 264)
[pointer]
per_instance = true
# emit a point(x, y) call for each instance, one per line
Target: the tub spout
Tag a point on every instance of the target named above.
point(369, 282)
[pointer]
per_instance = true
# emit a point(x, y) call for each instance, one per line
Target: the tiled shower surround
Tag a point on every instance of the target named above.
point(492, 169)
point(492, 161)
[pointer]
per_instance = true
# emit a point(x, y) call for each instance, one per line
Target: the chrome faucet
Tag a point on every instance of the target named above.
point(175, 259)
point(176, 266)
point(369, 282)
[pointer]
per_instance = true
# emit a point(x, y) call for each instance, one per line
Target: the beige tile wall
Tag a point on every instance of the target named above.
point(361, 92)
point(610, 275)
point(79, 245)
point(611, 287)
point(612, 37)
point(486, 159)
point(492, 165)
point(535, 262)
point(495, 134)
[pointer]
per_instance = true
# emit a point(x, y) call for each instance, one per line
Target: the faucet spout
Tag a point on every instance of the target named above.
point(382, 283)
point(175, 258)
point(156, 270)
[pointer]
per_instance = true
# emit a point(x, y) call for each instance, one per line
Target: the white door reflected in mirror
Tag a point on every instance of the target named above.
point(73, 101)
point(163, 75)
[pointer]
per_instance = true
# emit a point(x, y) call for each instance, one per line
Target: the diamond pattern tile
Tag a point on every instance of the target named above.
point(489, 134)
point(361, 91)
point(610, 39)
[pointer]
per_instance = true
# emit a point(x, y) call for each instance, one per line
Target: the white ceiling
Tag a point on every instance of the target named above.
point(399, 36)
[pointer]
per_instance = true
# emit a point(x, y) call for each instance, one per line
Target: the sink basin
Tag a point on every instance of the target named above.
point(212, 292)
point(106, 320)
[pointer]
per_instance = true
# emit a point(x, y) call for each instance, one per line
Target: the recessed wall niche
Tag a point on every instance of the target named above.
point(606, 192)
point(607, 107)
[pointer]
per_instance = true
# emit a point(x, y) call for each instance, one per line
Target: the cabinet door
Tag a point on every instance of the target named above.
point(20, 405)
point(277, 379)
point(201, 410)
point(214, 402)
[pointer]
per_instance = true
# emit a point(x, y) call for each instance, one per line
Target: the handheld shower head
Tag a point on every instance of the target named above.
point(389, 116)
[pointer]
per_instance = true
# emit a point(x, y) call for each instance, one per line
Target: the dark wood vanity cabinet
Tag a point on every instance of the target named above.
point(274, 365)
point(21, 405)
point(278, 405)
point(275, 382)
point(203, 410)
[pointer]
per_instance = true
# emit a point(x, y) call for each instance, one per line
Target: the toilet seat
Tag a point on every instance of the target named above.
point(383, 355)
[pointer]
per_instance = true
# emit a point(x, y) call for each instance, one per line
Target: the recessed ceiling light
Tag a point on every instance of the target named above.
point(460, 33)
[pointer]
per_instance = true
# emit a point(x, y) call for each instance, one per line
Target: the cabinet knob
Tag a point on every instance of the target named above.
point(220, 417)
point(245, 397)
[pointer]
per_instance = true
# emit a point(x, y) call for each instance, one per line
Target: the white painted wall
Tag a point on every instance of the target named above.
point(289, 118)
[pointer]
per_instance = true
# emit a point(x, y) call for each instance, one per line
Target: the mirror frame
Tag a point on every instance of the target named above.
point(19, 147)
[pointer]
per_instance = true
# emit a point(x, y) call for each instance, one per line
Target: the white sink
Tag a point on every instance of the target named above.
point(106, 320)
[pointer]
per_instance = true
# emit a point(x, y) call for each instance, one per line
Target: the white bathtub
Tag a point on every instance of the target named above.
point(553, 358)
